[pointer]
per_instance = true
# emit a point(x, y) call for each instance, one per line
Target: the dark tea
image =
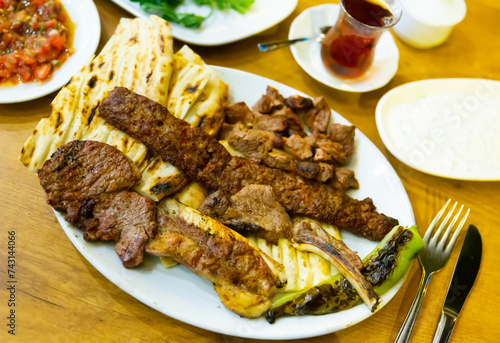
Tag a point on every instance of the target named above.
point(349, 47)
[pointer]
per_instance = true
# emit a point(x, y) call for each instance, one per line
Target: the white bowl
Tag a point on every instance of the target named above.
point(84, 15)
point(428, 23)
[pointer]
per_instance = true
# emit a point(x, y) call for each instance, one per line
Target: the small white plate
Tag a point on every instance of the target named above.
point(84, 15)
point(182, 295)
point(223, 27)
point(307, 54)
point(444, 127)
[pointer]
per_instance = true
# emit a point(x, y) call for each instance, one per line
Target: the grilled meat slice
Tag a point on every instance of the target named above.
point(125, 217)
point(205, 160)
point(244, 277)
point(254, 209)
point(81, 169)
point(90, 181)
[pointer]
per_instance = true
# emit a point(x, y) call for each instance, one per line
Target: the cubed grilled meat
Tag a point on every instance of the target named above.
point(344, 179)
point(343, 134)
point(254, 144)
point(341, 154)
point(318, 116)
point(298, 146)
point(325, 172)
point(239, 112)
point(270, 101)
point(298, 103)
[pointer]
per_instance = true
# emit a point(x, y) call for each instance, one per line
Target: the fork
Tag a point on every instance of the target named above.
point(432, 258)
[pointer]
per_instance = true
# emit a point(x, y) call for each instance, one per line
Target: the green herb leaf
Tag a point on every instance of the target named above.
point(167, 9)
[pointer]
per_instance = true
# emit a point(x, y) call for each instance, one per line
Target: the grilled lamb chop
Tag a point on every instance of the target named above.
point(254, 209)
point(244, 277)
point(206, 161)
point(90, 181)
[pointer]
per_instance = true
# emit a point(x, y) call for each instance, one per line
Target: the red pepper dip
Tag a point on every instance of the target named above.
point(34, 39)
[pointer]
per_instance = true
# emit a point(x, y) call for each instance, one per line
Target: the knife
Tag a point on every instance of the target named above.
point(461, 283)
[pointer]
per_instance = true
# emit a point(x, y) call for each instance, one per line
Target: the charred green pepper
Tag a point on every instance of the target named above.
point(383, 268)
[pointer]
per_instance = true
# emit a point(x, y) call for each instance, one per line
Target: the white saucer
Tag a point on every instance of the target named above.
point(307, 54)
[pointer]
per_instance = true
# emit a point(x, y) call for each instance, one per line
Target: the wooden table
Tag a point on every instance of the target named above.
point(62, 298)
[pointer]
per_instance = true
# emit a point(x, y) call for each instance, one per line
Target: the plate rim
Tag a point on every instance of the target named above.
point(380, 121)
point(127, 5)
point(348, 87)
point(76, 238)
point(94, 36)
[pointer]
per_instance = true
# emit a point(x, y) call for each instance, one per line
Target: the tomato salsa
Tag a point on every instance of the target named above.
point(34, 39)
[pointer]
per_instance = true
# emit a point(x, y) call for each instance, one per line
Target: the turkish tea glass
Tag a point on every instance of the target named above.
point(349, 46)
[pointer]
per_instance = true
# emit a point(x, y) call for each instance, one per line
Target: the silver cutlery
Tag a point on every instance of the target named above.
point(461, 283)
point(432, 258)
point(271, 46)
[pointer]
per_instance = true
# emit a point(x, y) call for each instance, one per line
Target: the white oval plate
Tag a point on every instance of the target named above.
point(84, 15)
point(223, 27)
point(182, 295)
point(307, 54)
point(465, 102)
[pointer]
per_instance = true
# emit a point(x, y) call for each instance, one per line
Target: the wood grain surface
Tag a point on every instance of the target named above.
point(60, 297)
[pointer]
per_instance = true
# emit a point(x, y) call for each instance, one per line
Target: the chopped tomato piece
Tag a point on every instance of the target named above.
point(25, 72)
point(42, 71)
point(57, 41)
point(26, 59)
point(11, 59)
point(51, 23)
point(38, 2)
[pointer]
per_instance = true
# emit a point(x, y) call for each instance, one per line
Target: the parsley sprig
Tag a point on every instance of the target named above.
point(167, 9)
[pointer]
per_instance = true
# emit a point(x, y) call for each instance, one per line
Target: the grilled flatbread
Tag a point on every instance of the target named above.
point(74, 109)
point(138, 56)
point(205, 87)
